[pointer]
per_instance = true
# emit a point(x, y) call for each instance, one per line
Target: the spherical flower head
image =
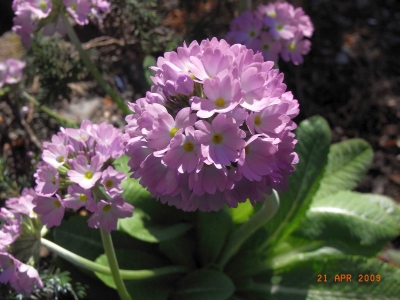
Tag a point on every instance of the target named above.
point(108, 213)
point(218, 143)
point(83, 173)
point(78, 197)
point(50, 208)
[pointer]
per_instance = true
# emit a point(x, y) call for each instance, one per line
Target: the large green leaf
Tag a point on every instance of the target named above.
point(204, 285)
point(386, 203)
point(315, 279)
point(348, 217)
point(141, 227)
point(212, 229)
point(156, 289)
point(75, 235)
point(181, 250)
point(313, 144)
point(348, 161)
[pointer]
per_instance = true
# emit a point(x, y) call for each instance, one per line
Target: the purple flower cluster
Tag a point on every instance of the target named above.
point(28, 13)
point(22, 277)
point(76, 163)
point(11, 71)
point(215, 129)
point(273, 29)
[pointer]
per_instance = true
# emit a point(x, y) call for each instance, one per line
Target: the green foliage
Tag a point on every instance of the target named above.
point(57, 64)
point(322, 229)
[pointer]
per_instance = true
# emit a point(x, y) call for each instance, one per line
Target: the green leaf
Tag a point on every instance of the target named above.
point(158, 288)
point(76, 236)
point(301, 281)
point(181, 250)
point(204, 285)
point(212, 229)
point(386, 203)
point(348, 217)
point(241, 213)
point(141, 227)
point(149, 61)
point(348, 161)
point(313, 144)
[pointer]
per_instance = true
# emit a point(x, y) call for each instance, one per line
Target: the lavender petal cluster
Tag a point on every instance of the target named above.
point(215, 129)
point(28, 13)
point(274, 29)
point(76, 164)
point(18, 222)
point(11, 71)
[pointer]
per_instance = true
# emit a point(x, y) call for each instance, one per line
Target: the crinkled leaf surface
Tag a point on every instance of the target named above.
point(348, 161)
point(348, 217)
point(314, 138)
point(300, 281)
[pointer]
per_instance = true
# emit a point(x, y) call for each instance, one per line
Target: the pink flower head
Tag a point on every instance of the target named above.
point(46, 179)
point(55, 155)
point(10, 266)
point(223, 95)
point(28, 280)
point(237, 144)
point(280, 22)
point(51, 208)
point(25, 21)
point(79, 10)
point(10, 229)
point(83, 173)
point(79, 197)
point(41, 8)
point(23, 204)
point(295, 48)
point(220, 141)
point(13, 73)
point(108, 213)
point(111, 181)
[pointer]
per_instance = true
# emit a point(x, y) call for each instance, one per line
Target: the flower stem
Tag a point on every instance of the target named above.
point(48, 111)
point(237, 238)
point(95, 267)
point(91, 67)
point(113, 263)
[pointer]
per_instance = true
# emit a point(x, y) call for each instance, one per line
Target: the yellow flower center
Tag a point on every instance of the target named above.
point(60, 159)
point(247, 149)
point(257, 120)
point(292, 46)
point(217, 138)
point(73, 6)
point(220, 102)
point(57, 203)
point(107, 208)
point(88, 175)
point(279, 27)
point(43, 5)
point(173, 131)
point(83, 198)
point(109, 183)
point(265, 46)
point(188, 146)
point(252, 33)
point(53, 180)
point(272, 14)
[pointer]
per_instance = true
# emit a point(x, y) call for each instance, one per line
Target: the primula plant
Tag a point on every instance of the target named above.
point(211, 191)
